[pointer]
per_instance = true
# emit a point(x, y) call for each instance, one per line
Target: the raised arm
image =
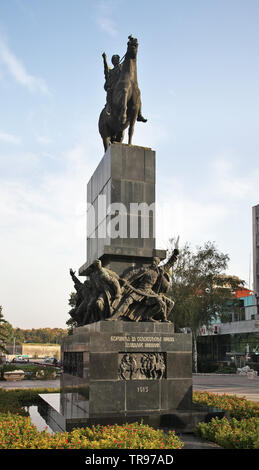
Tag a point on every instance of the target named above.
point(106, 67)
point(173, 257)
point(76, 281)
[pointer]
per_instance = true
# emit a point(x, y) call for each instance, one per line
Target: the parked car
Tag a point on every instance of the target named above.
point(48, 360)
point(21, 359)
point(52, 361)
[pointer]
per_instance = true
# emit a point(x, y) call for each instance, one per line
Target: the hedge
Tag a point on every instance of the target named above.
point(30, 371)
point(18, 432)
point(238, 407)
point(240, 431)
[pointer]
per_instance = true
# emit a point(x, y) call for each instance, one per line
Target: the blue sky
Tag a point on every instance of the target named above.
point(198, 70)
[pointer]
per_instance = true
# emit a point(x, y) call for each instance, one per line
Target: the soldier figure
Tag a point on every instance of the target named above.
point(112, 75)
point(83, 294)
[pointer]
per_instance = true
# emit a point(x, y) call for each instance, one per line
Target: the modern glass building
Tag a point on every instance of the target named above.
point(237, 338)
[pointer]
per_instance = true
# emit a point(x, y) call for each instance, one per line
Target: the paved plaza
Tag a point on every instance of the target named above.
point(8, 385)
point(231, 384)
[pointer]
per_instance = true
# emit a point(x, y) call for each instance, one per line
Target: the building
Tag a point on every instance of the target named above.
point(34, 350)
point(255, 215)
point(238, 338)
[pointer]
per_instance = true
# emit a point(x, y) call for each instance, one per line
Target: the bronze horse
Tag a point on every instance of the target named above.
point(126, 101)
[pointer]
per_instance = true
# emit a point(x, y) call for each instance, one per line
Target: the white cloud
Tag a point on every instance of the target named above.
point(107, 25)
point(150, 134)
point(177, 213)
point(217, 209)
point(18, 71)
point(9, 138)
point(43, 140)
point(233, 184)
point(103, 19)
point(43, 234)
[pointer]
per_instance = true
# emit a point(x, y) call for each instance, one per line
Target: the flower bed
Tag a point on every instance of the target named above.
point(231, 433)
point(18, 432)
point(240, 431)
point(238, 407)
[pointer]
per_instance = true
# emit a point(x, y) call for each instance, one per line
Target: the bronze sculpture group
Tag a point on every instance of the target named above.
point(138, 295)
point(123, 106)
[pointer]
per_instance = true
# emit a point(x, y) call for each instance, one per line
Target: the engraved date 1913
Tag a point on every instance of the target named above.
point(142, 389)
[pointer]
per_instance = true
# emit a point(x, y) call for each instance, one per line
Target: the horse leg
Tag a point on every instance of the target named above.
point(106, 142)
point(104, 129)
point(131, 129)
point(123, 116)
point(119, 136)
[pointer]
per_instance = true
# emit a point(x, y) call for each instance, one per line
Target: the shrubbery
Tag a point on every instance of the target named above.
point(231, 433)
point(18, 432)
point(240, 431)
point(238, 407)
point(209, 367)
point(226, 370)
point(30, 371)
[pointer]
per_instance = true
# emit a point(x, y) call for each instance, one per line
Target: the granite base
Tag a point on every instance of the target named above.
point(121, 372)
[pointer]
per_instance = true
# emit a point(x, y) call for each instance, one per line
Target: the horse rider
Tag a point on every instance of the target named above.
point(112, 75)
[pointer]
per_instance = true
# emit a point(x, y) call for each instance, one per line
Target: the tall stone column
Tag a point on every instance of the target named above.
point(121, 209)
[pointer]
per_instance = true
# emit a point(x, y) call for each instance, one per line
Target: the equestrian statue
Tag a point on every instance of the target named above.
point(123, 105)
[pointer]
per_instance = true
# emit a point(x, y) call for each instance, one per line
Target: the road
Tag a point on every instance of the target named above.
point(231, 384)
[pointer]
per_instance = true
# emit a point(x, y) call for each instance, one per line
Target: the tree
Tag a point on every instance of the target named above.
point(71, 322)
point(39, 335)
point(3, 332)
point(8, 331)
point(201, 289)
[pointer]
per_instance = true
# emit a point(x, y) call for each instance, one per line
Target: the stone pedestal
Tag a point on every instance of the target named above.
point(116, 372)
point(125, 182)
point(122, 372)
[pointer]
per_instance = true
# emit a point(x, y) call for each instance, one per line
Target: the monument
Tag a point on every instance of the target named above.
point(124, 362)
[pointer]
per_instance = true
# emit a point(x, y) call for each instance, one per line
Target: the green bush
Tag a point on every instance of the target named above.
point(212, 367)
point(207, 367)
point(231, 433)
point(226, 370)
point(238, 407)
point(30, 370)
point(240, 431)
point(18, 432)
